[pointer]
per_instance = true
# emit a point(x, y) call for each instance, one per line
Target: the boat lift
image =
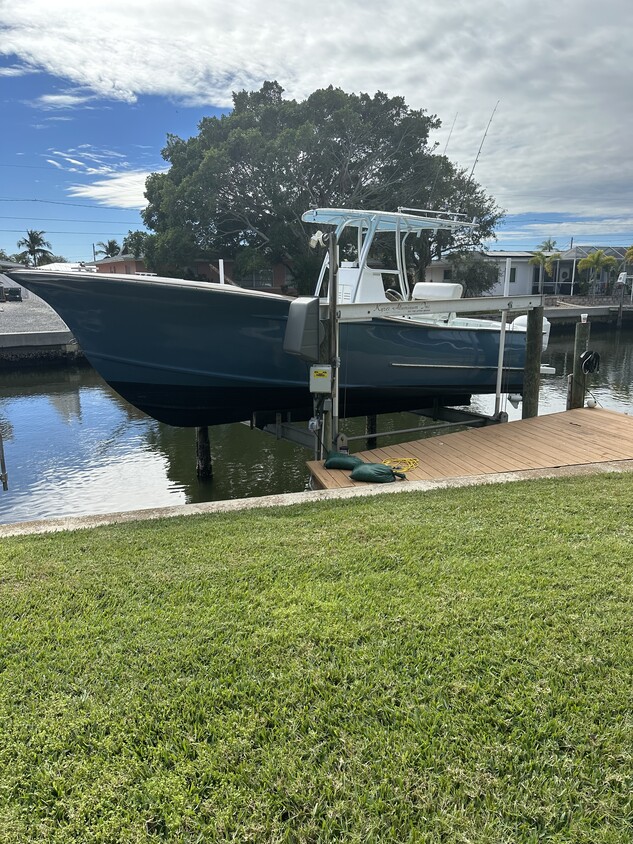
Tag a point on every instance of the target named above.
point(303, 338)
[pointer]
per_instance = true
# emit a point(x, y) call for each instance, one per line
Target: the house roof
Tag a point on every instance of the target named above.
point(11, 265)
point(117, 258)
point(501, 253)
point(578, 252)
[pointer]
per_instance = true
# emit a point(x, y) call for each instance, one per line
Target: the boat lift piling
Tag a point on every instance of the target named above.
point(502, 338)
point(204, 464)
point(4, 477)
point(577, 381)
point(371, 429)
point(330, 347)
point(532, 370)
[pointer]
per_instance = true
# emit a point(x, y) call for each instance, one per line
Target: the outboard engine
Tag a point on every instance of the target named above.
point(520, 322)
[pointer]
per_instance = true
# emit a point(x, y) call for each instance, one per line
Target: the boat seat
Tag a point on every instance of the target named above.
point(437, 290)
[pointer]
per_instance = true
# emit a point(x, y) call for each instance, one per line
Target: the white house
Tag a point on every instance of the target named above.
point(522, 273)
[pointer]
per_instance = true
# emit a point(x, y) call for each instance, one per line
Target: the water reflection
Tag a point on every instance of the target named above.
point(612, 387)
point(73, 447)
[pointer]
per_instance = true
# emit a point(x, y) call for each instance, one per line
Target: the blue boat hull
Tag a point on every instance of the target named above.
point(191, 353)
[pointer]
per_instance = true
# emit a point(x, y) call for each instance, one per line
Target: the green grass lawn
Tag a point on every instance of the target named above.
point(453, 666)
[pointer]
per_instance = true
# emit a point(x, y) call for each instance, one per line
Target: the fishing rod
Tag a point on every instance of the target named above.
point(483, 139)
point(439, 164)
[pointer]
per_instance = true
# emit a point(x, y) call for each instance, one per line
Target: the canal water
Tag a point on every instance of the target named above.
point(73, 447)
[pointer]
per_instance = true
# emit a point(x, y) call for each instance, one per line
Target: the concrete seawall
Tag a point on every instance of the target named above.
point(31, 333)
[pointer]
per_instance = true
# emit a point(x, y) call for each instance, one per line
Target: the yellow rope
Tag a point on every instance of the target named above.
point(402, 464)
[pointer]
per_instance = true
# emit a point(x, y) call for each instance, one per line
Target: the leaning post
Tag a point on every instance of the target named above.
point(533, 352)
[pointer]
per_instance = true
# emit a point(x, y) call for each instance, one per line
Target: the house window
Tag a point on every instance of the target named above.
point(448, 275)
point(257, 279)
point(513, 274)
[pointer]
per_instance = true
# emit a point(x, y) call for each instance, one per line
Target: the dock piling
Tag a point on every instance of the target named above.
point(533, 351)
point(578, 379)
point(204, 465)
point(4, 477)
point(371, 428)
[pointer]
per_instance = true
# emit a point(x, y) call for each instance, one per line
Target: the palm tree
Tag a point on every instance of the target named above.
point(548, 245)
point(595, 263)
point(35, 247)
point(109, 250)
point(545, 262)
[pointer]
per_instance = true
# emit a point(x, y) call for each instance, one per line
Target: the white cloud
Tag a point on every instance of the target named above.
point(119, 183)
point(559, 141)
point(89, 160)
point(16, 70)
point(119, 190)
point(60, 101)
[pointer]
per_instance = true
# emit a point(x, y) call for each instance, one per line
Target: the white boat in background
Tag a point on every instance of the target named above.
point(192, 353)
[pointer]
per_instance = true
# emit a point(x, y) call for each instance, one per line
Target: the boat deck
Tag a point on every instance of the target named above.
point(571, 438)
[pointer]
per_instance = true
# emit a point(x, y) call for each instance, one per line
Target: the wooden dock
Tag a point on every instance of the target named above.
point(571, 438)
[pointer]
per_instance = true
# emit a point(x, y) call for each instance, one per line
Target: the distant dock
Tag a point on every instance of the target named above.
point(582, 437)
point(31, 333)
point(569, 312)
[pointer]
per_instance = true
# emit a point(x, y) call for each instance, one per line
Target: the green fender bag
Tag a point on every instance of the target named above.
point(340, 460)
point(375, 473)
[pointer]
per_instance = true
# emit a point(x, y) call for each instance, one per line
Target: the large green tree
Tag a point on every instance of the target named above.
point(52, 259)
point(473, 271)
point(35, 247)
point(134, 243)
point(247, 177)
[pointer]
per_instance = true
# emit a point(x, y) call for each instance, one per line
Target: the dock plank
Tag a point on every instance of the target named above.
point(573, 437)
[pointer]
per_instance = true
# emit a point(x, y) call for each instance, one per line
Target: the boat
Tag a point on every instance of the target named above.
point(192, 353)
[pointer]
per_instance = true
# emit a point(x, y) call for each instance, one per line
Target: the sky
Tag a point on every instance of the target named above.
point(535, 95)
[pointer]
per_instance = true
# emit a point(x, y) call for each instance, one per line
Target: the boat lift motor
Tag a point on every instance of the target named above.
point(304, 331)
